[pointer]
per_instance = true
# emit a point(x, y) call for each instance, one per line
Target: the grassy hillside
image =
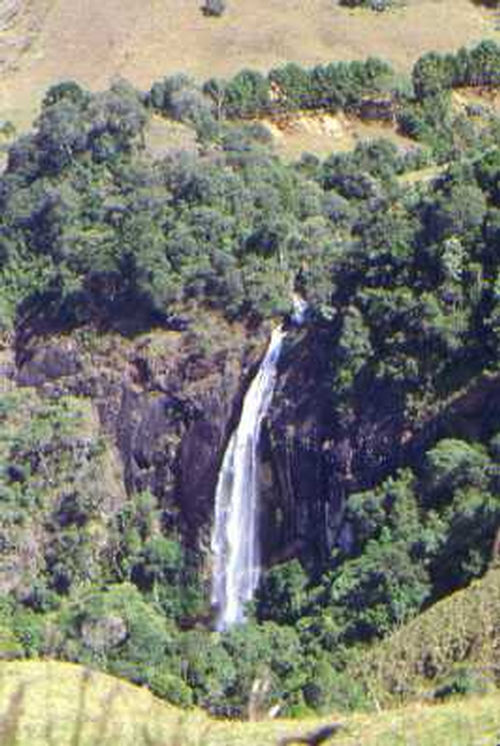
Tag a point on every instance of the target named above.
point(456, 643)
point(60, 703)
point(142, 42)
point(47, 703)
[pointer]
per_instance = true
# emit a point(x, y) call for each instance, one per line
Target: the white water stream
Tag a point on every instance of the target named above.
point(235, 543)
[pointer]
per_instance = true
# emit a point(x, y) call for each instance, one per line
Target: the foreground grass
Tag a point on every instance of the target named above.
point(54, 704)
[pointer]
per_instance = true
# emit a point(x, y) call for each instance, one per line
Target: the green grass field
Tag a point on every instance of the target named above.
point(54, 704)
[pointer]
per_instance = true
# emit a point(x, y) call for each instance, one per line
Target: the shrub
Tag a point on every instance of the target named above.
point(453, 463)
point(214, 7)
point(171, 687)
point(463, 682)
point(378, 5)
point(67, 90)
point(282, 593)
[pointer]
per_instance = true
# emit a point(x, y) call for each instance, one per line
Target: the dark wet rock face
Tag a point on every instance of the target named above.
point(167, 407)
point(301, 492)
point(48, 363)
point(172, 445)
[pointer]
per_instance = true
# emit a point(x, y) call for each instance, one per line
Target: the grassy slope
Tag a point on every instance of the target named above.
point(94, 40)
point(61, 703)
point(52, 703)
point(460, 632)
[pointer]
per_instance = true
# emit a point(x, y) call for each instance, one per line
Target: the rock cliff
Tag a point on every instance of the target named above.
point(166, 402)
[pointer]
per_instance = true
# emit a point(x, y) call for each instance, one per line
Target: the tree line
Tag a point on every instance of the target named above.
point(335, 86)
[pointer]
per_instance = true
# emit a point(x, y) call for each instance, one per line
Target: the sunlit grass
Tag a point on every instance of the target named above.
point(61, 704)
point(462, 630)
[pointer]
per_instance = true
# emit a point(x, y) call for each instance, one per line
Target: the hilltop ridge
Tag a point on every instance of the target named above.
point(93, 41)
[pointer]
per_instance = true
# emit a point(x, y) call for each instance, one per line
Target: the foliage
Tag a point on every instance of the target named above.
point(49, 455)
point(282, 593)
point(402, 283)
point(166, 685)
point(434, 73)
point(338, 85)
point(117, 629)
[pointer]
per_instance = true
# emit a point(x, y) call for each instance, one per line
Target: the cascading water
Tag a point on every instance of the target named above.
point(300, 309)
point(235, 543)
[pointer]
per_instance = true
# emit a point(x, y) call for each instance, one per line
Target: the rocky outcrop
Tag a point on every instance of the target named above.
point(171, 436)
point(167, 400)
point(302, 492)
point(314, 457)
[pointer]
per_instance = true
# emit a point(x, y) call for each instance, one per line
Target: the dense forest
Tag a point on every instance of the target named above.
point(101, 241)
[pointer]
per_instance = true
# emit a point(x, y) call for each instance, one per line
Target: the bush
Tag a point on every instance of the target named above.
point(378, 5)
point(282, 594)
point(171, 687)
point(68, 90)
point(463, 682)
point(214, 7)
point(453, 464)
point(10, 647)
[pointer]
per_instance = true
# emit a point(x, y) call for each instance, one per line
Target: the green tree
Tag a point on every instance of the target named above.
point(353, 351)
point(432, 74)
point(484, 64)
point(453, 464)
point(460, 211)
point(282, 593)
point(247, 94)
point(67, 90)
point(292, 86)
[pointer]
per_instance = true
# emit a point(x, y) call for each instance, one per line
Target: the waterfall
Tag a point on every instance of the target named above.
point(300, 309)
point(235, 543)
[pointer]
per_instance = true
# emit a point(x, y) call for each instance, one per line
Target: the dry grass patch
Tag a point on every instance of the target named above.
point(322, 133)
point(93, 40)
point(487, 101)
point(164, 135)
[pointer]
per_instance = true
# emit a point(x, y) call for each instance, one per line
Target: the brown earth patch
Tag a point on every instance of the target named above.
point(323, 133)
